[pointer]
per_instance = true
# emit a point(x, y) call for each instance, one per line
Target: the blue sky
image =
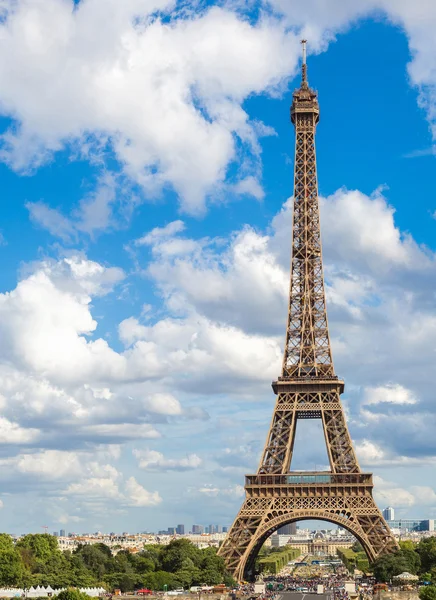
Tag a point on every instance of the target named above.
point(146, 169)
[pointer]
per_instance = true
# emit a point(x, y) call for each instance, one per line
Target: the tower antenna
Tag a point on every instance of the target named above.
point(304, 65)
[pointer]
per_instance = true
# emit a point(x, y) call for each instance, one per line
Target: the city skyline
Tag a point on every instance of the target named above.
point(146, 173)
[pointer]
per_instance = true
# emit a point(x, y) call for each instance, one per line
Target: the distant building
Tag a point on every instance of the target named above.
point(289, 529)
point(197, 529)
point(171, 530)
point(212, 529)
point(277, 541)
point(225, 529)
point(412, 524)
point(56, 533)
point(62, 533)
point(180, 529)
point(389, 514)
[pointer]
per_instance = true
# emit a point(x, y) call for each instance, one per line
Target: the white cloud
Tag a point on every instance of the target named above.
point(108, 484)
point(122, 430)
point(372, 454)
point(424, 495)
point(163, 404)
point(233, 282)
point(94, 487)
point(68, 383)
point(199, 348)
point(59, 465)
point(42, 321)
point(12, 433)
point(138, 496)
point(392, 393)
point(64, 519)
point(151, 460)
point(159, 233)
point(235, 491)
point(387, 494)
point(52, 220)
point(353, 220)
point(93, 214)
point(249, 186)
point(166, 97)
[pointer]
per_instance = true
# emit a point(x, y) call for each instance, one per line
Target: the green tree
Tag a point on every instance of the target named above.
point(386, 567)
point(427, 551)
point(158, 579)
point(357, 547)
point(127, 583)
point(41, 545)
point(211, 576)
point(142, 564)
point(6, 542)
point(12, 569)
point(55, 571)
point(211, 560)
point(72, 594)
point(413, 560)
point(95, 558)
point(427, 592)
point(177, 551)
point(229, 580)
point(153, 552)
point(123, 562)
point(82, 576)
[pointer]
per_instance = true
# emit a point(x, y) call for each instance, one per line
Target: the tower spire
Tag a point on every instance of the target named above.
point(304, 82)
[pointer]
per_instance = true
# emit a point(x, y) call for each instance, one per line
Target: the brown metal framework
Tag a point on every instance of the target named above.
point(307, 389)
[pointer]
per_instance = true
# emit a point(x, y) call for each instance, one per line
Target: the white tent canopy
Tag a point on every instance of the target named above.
point(407, 577)
point(45, 591)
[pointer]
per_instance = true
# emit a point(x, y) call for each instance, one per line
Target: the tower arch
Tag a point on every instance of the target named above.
point(246, 569)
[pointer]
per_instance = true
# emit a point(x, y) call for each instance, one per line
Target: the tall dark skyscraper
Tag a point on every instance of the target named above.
point(289, 529)
point(180, 529)
point(197, 529)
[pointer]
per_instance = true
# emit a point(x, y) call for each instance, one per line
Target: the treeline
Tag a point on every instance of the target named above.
point(36, 560)
point(418, 559)
point(274, 562)
point(354, 558)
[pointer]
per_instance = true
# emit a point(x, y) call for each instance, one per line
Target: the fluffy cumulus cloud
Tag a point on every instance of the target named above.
point(164, 94)
point(76, 474)
point(64, 387)
point(391, 393)
point(163, 88)
point(377, 279)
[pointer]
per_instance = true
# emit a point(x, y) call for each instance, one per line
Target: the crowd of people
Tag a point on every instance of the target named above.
point(307, 576)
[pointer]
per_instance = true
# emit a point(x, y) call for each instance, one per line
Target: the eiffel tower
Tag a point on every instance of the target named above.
point(307, 389)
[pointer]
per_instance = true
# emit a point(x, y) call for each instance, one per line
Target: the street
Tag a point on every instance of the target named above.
point(304, 596)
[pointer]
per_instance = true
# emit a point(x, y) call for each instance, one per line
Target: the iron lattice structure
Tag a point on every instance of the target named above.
point(307, 389)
